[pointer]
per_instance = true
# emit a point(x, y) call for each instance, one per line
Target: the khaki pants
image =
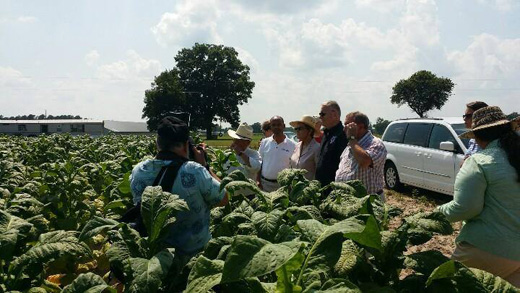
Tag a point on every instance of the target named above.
point(473, 257)
point(269, 186)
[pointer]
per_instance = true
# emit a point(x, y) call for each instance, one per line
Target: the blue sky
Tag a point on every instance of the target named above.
point(96, 58)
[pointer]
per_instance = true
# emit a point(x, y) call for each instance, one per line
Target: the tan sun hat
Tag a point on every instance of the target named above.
point(244, 132)
point(488, 117)
point(306, 119)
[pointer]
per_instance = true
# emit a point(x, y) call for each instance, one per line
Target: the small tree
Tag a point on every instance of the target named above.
point(257, 127)
point(380, 125)
point(422, 92)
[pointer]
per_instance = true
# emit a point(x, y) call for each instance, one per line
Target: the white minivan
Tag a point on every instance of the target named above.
point(425, 153)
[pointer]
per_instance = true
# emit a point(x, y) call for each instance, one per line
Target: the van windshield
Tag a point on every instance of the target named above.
point(460, 128)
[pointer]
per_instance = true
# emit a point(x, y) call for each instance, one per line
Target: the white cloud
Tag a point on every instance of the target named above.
point(247, 59)
point(488, 57)
point(420, 23)
point(27, 19)
point(383, 6)
point(133, 67)
point(12, 78)
point(192, 21)
point(92, 57)
point(501, 5)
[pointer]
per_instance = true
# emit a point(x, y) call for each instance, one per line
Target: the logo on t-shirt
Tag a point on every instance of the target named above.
point(332, 139)
point(187, 179)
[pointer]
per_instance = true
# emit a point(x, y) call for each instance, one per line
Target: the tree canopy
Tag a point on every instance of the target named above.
point(40, 117)
point(165, 98)
point(422, 92)
point(209, 82)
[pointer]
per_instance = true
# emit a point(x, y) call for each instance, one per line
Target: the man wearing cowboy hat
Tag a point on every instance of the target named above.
point(248, 158)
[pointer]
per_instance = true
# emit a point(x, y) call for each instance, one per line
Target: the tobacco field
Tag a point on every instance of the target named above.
point(61, 198)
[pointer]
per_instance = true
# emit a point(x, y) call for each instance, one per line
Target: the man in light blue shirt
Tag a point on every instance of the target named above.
point(194, 184)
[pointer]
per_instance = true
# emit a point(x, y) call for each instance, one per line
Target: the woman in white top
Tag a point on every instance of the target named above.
point(307, 151)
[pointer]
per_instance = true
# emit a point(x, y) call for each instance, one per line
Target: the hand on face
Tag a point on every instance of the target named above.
point(351, 129)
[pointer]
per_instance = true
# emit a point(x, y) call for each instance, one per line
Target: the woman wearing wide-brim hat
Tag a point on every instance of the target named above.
point(487, 198)
point(307, 151)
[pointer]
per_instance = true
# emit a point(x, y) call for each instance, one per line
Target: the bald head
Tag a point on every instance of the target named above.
point(277, 125)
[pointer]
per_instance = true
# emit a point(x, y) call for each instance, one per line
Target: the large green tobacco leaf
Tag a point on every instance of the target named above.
point(96, 226)
point(453, 276)
point(12, 231)
point(88, 283)
point(50, 247)
point(236, 188)
point(349, 258)
point(236, 175)
point(425, 262)
point(267, 224)
point(284, 274)
point(204, 275)
point(149, 274)
point(340, 205)
point(326, 243)
point(157, 211)
point(250, 256)
point(287, 176)
point(126, 244)
point(423, 225)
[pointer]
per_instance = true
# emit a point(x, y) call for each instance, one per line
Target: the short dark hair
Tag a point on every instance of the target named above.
point(476, 105)
point(276, 117)
point(266, 125)
point(359, 118)
point(171, 132)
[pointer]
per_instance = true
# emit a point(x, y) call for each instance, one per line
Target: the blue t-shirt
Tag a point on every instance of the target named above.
point(197, 187)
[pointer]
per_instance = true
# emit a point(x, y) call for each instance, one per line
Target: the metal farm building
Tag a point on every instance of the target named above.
point(72, 126)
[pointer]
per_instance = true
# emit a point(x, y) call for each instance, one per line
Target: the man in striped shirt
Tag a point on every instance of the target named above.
point(364, 157)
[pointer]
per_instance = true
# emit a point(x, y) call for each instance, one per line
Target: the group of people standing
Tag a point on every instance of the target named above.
point(342, 152)
point(487, 187)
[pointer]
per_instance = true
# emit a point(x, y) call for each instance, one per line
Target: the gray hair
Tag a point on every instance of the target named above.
point(334, 105)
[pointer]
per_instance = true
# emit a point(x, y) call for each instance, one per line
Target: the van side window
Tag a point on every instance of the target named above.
point(440, 134)
point(395, 132)
point(417, 134)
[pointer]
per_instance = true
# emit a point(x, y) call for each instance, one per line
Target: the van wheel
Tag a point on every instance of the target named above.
point(392, 177)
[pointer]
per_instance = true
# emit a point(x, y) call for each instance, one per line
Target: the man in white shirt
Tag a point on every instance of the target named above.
point(275, 152)
point(248, 158)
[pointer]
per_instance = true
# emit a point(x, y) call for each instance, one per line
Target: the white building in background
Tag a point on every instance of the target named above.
point(72, 126)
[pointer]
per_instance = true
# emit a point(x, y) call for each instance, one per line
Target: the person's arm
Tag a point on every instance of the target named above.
point(470, 190)
point(360, 155)
point(199, 157)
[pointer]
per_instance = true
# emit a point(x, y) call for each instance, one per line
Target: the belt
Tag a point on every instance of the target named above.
point(379, 192)
point(269, 180)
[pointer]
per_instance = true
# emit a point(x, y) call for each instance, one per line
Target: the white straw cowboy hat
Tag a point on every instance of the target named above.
point(488, 117)
point(307, 120)
point(244, 132)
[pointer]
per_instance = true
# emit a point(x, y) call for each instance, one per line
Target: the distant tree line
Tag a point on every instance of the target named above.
point(39, 117)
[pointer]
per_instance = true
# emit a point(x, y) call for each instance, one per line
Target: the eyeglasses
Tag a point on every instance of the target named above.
point(322, 114)
point(298, 128)
point(465, 116)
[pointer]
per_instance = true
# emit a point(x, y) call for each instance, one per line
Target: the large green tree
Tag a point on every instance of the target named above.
point(422, 92)
point(164, 98)
point(216, 83)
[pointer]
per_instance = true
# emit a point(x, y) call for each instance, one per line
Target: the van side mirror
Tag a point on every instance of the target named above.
point(447, 146)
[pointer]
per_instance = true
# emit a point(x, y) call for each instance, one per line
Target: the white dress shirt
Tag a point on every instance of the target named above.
point(275, 156)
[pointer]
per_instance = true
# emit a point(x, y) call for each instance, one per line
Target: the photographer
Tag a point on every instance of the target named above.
point(193, 183)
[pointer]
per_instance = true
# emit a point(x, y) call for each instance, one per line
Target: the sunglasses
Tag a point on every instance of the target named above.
point(322, 114)
point(467, 116)
point(299, 128)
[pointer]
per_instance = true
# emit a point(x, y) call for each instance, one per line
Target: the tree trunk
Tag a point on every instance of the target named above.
point(209, 132)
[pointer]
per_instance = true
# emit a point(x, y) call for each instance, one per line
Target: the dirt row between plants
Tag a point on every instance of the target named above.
point(413, 201)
